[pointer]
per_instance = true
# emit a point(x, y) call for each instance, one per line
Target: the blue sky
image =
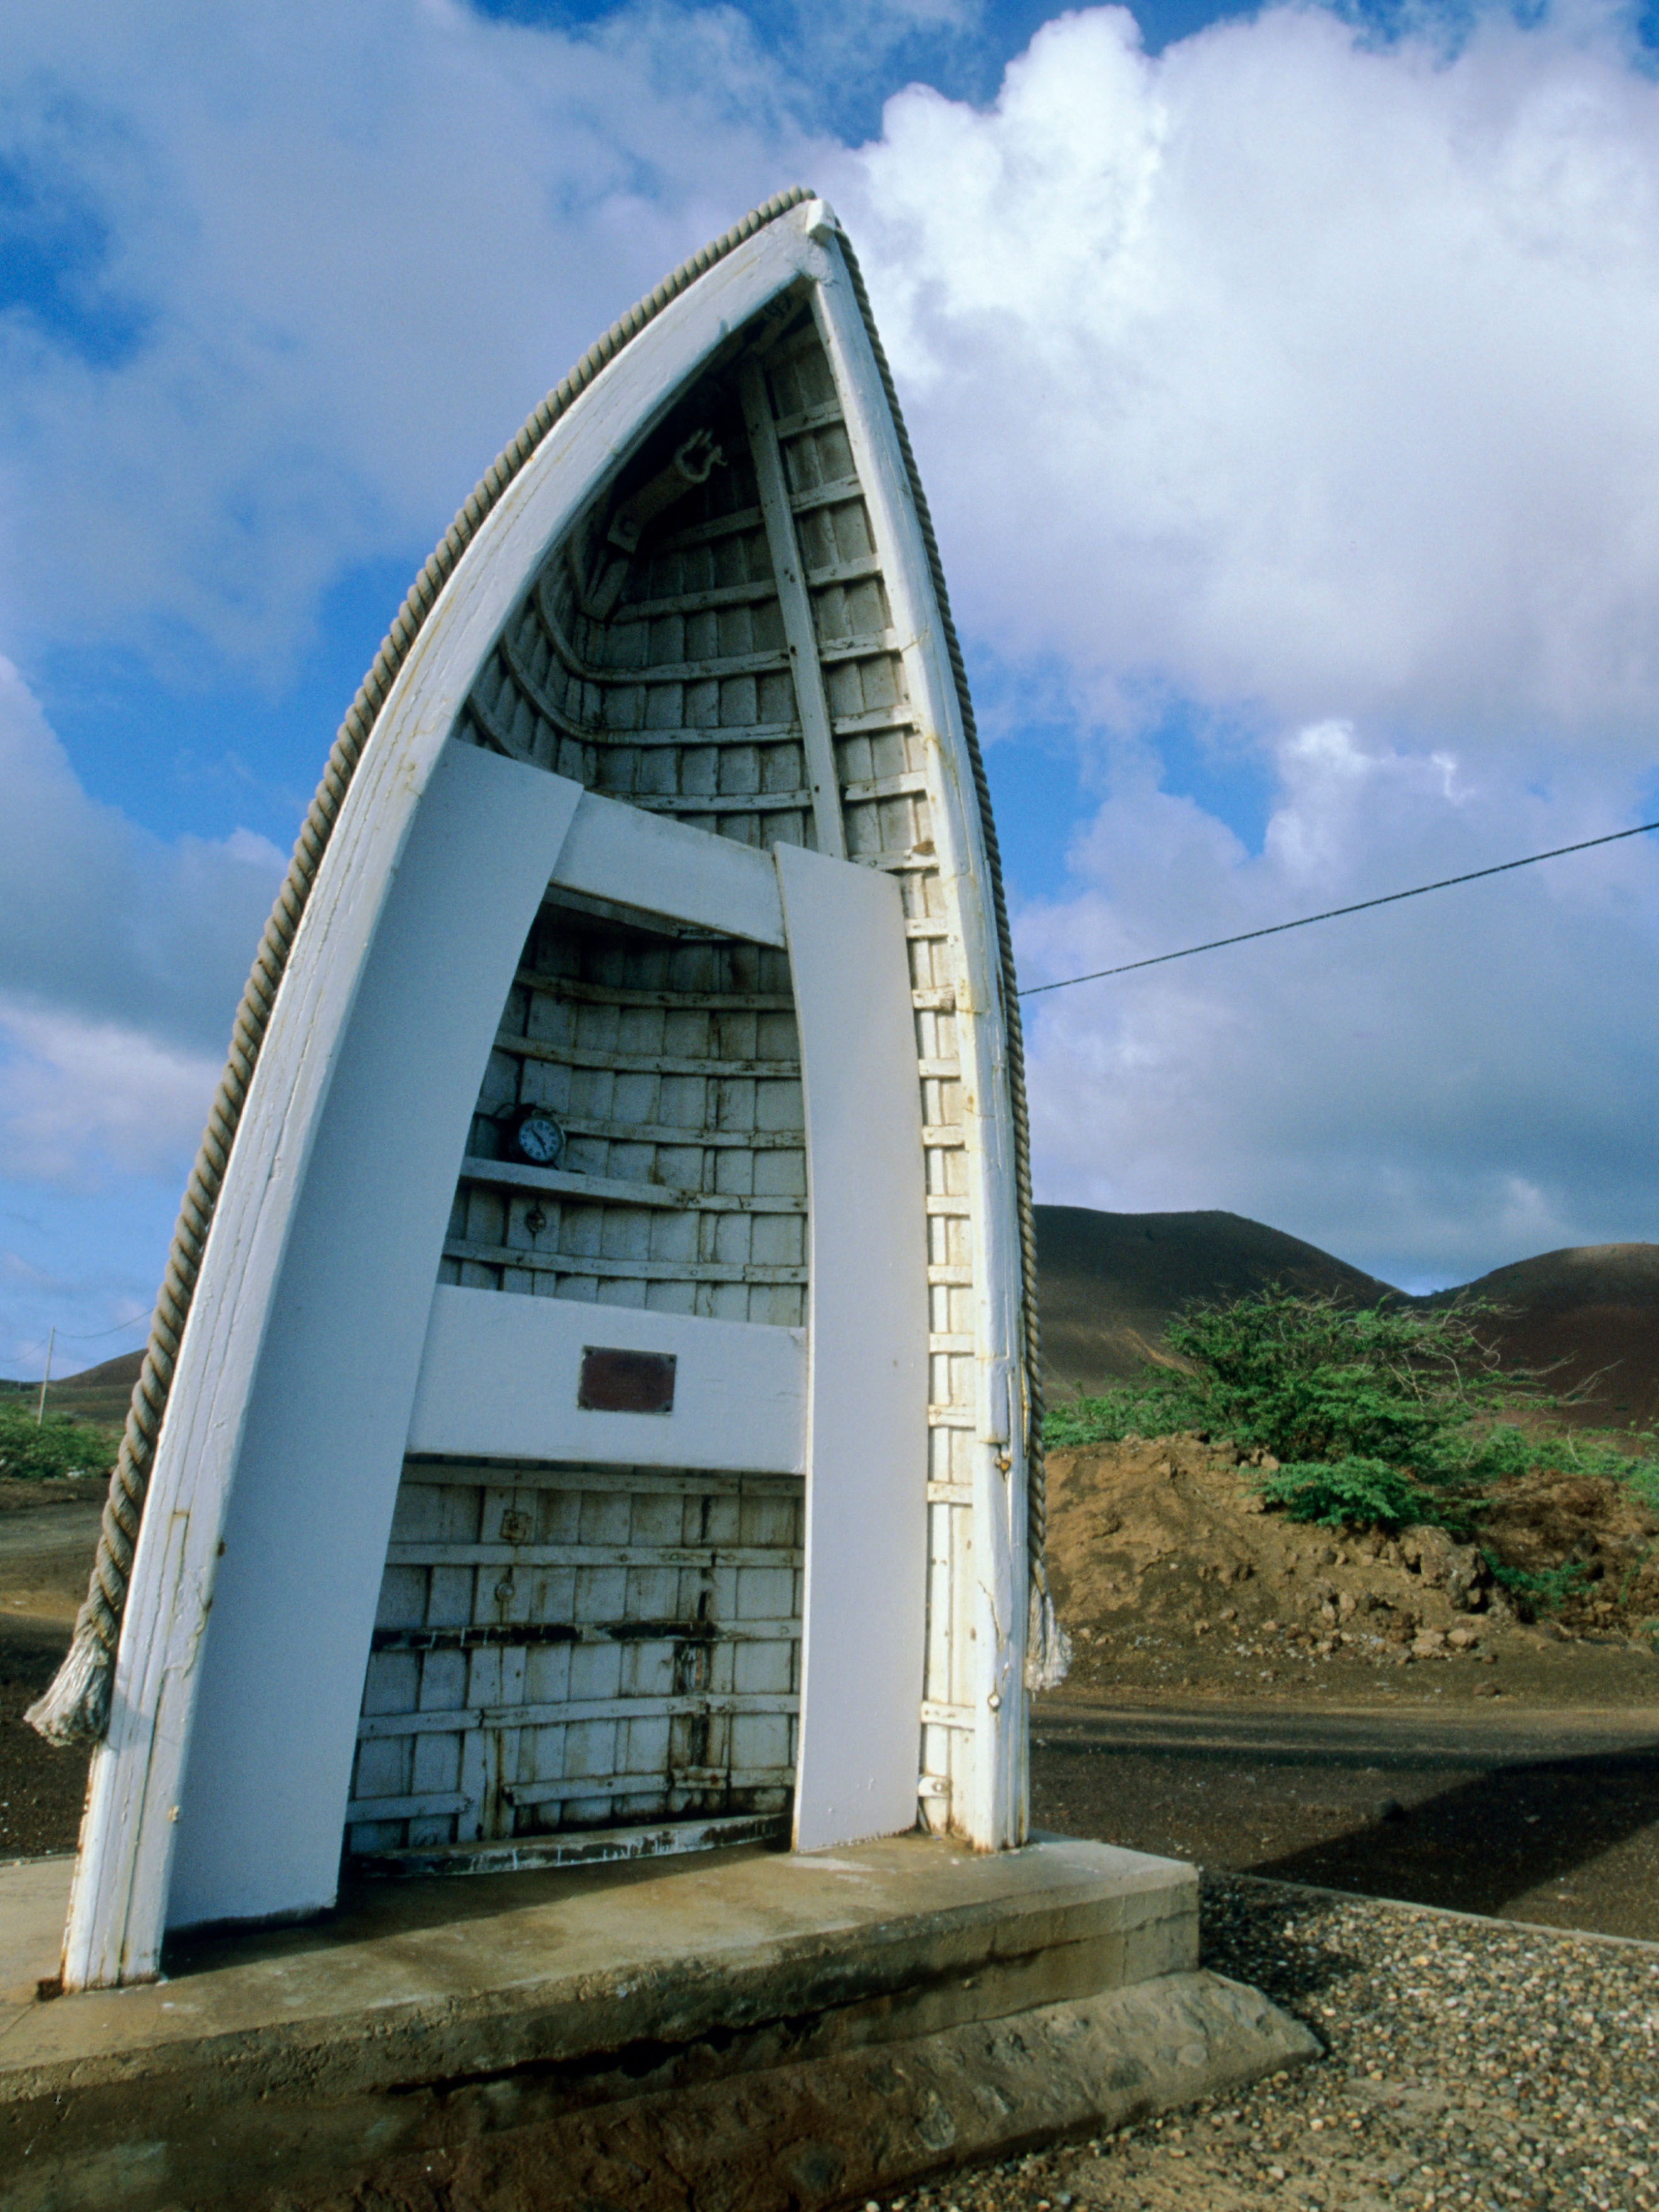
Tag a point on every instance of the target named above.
point(1283, 384)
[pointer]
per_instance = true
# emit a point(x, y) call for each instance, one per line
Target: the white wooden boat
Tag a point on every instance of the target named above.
point(597, 1417)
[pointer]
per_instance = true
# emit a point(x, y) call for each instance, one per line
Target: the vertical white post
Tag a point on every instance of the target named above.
point(865, 1609)
point(51, 1338)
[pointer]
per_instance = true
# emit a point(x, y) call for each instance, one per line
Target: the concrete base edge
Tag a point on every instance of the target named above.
point(835, 2129)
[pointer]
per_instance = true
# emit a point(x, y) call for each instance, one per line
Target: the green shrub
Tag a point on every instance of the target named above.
point(1360, 1492)
point(57, 1446)
point(1306, 1378)
point(1543, 1589)
point(1378, 1415)
point(1600, 1456)
point(1157, 1405)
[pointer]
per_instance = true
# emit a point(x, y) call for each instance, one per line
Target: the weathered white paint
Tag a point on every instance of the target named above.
point(866, 1512)
point(498, 1380)
point(230, 1477)
point(618, 852)
point(121, 1904)
point(261, 1795)
point(817, 740)
point(987, 1601)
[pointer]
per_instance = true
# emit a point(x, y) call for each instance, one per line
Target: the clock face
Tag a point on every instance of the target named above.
point(540, 1139)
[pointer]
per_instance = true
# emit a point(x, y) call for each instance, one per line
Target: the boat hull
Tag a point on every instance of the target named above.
point(577, 763)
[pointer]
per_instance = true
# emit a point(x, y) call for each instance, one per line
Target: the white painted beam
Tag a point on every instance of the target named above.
point(499, 1381)
point(867, 1468)
point(221, 1789)
point(989, 1600)
point(621, 853)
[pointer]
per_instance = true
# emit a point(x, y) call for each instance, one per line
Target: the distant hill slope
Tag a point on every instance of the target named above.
point(1587, 1311)
point(97, 1393)
point(1110, 1282)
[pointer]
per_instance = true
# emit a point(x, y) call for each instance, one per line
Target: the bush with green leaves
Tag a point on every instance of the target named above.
point(1378, 1415)
point(1307, 1378)
point(32, 1451)
point(1355, 1492)
point(1158, 1404)
point(1541, 1588)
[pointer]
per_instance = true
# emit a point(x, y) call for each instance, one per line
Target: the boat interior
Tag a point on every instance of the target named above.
point(571, 1659)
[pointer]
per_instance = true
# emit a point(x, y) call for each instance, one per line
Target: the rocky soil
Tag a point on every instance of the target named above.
point(1169, 1573)
point(1467, 2063)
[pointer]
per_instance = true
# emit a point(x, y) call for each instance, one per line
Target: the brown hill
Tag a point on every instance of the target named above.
point(1589, 1315)
point(1110, 1282)
point(96, 1393)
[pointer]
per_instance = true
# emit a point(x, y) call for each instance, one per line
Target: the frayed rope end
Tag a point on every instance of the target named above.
point(1048, 1648)
point(75, 1709)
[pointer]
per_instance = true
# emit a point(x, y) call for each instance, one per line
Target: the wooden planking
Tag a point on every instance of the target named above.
point(705, 533)
point(658, 1840)
point(883, 779)
point(837, 490)
point(811, 702)
point(377, 1725)
point(642, 1063)
point(850, 539)
point(679, 1133)
point(747, 802)
point(443, 1471)
point(574, 987)
point(584, 1555)
point(707, 1046)
point(514, 1176)
point(776, 1779)
point(674, 1697)
point(620, 1266)
point(516, 1635)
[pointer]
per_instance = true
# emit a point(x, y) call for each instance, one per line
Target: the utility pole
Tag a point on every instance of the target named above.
point(51, 1338)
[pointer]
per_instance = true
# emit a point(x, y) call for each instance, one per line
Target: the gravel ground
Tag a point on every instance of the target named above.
point(1468, 2063)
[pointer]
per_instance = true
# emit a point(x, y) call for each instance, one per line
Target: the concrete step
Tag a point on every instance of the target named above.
point(750, 2027)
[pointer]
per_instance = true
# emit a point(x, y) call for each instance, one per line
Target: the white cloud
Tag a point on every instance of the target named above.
point(345, 251)
point(1308, 381)
point(121, 959)
point(1293, 374)
point(103, 923)
point(1429, 1090)
point(84, 1102)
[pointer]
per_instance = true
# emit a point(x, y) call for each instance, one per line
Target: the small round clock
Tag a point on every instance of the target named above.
point(534, 1135)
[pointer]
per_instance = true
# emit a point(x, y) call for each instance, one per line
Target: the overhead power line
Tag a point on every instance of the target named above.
point(1331, 913)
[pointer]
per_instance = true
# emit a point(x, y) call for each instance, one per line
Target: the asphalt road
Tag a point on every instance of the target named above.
point(1546, 1816)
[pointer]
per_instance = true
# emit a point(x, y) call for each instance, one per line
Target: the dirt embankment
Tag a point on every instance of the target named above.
point(1168, 1572)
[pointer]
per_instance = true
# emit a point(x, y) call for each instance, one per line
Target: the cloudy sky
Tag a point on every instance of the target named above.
point(1285, 386)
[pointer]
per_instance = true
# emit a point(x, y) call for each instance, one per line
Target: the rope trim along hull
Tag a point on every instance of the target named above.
point(77, 1706)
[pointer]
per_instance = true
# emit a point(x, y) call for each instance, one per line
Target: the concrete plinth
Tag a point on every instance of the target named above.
point(741, 2031)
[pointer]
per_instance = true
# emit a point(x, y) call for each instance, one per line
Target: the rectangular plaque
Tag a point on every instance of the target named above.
point(617, 1382)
